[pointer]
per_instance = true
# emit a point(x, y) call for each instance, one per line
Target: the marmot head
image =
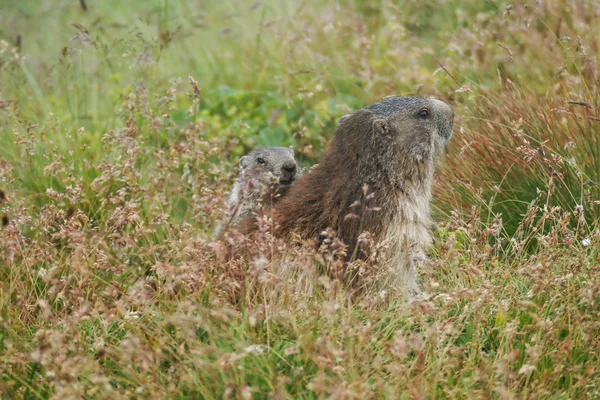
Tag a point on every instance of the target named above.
point(264, 166)
point(397, 136)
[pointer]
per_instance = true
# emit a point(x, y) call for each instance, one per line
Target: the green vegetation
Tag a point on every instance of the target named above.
point(120, 125)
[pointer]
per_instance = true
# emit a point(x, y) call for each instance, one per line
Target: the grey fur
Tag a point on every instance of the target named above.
point(259, 185)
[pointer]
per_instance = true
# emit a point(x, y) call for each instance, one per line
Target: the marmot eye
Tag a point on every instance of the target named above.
point(424, 113)
point(260, 160)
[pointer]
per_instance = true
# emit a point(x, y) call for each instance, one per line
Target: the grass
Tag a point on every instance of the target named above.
point(119, 129)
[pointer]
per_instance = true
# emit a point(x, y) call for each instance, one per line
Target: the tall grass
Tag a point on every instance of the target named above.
point(119, 128)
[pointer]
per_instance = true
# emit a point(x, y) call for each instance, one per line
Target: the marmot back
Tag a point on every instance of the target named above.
point(266, 174)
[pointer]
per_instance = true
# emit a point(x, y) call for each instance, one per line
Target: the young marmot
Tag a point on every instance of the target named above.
point(265, 177)
point(391, 146)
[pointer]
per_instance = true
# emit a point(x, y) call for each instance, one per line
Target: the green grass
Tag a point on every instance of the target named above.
point(114, 170)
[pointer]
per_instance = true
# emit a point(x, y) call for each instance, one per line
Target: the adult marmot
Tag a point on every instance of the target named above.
point(391, 146)
point(265, 176)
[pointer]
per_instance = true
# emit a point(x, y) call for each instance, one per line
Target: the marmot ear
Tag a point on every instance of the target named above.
point(243, 161)
point(291, 148)
point(381, 127)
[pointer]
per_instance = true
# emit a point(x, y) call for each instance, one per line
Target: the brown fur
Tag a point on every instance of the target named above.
point(391, 149)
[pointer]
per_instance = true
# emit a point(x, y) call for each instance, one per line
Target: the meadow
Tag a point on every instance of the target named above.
point(121, 124)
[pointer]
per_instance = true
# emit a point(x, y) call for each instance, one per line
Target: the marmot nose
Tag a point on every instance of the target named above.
point(289, 167)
